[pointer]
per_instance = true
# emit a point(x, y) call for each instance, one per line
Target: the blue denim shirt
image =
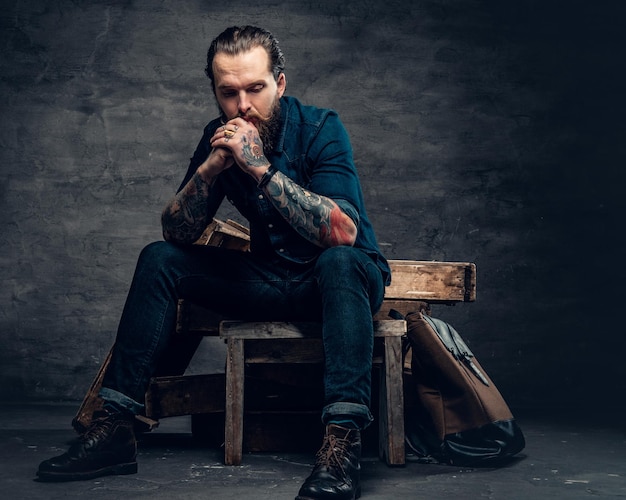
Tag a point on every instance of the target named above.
point(314, 150)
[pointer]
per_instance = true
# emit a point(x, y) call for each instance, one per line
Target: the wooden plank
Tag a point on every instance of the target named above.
point(185, 395)
point(91, 402)
point(412, 280)
point(391, 404)
point(229, 234)
point(297, 330)
point(432, 281)
point(242, 231)
point(195, 319)
point(302, 350)
point(233, 432)
point(297, 351)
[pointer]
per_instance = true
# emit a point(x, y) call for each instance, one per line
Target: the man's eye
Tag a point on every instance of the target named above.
point(256, 90)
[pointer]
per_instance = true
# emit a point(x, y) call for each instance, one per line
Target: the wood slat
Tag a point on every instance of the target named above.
point(185, 395)
point(300, 350)
point(193, 318)
point(432, 281)
point(412, 280)
point(297, 330)
point(391, 404)
point(229, 234)
point(233, 410)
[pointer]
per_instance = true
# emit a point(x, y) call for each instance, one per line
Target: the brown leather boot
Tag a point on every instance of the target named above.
point(107, 447)
point(336, 474)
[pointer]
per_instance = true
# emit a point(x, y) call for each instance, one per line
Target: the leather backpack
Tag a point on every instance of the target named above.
point(454, 412)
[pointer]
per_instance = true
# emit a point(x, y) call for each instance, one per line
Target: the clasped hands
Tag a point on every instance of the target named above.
point(238, 141)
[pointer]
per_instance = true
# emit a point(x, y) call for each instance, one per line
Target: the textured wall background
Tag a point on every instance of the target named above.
point(485, 131)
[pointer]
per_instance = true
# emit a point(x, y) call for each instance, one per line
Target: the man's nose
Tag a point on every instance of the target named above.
point(244, 103)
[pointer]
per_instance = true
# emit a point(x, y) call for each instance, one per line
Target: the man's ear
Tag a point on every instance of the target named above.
point(281, 83)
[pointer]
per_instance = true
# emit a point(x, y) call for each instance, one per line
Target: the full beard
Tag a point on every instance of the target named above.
point(268, 128)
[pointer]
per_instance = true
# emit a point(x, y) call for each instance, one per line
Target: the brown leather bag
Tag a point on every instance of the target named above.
point(459, 416)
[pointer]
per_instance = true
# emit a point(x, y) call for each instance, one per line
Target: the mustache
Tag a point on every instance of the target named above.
point(254, 117)
point(249, 117)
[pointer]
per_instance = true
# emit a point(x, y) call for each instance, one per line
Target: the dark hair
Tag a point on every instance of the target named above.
point(238, 39)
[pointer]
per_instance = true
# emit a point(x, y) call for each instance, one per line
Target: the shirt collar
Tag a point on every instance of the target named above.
point(280, 143)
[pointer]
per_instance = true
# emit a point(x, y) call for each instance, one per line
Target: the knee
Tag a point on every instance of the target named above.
point(157, 255)
point(341, 264)
point(351, 270)
point(338, 258)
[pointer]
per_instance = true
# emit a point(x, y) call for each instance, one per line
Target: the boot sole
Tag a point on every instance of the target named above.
point(357, 495)
point(117, 469)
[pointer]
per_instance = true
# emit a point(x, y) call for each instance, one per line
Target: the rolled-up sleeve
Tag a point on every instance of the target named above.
point(332, 169)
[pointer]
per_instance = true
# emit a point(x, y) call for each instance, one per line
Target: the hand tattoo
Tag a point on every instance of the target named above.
point(253, 152)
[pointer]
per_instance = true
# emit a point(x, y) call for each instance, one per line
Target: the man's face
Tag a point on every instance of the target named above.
point(245, 85)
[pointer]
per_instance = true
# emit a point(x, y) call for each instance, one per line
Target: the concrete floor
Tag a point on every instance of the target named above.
point(563, 459)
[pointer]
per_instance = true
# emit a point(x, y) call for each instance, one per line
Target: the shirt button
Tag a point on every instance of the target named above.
point(281, 250)
point(260, 197)
point(270, 226)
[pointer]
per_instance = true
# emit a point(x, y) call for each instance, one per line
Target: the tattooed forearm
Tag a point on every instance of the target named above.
point(185, 216)
point(316, 218)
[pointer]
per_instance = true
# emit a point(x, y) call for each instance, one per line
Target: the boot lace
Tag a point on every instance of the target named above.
point(99, 427)
point(332, 452)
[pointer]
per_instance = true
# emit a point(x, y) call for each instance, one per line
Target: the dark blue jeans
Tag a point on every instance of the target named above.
point(343, 288)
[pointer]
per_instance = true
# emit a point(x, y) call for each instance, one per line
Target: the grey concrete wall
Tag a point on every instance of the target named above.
point(484, 131)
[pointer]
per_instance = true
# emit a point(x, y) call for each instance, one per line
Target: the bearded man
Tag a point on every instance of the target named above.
point(288, 169)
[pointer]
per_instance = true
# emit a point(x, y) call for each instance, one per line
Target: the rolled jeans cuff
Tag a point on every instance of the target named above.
point(121, 400)
point(359, 413)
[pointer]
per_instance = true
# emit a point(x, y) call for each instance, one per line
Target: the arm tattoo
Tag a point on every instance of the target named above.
point(185, 217)
point(316, 218)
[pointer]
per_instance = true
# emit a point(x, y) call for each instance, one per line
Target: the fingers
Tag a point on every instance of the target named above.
point(226, 132)
point(237, 136)
point(221, 158)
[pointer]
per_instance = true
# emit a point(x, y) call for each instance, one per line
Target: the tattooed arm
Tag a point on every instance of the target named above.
point(317, 218)
point(186, 215)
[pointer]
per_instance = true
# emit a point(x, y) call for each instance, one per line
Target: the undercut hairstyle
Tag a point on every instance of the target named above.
point(239, 39)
